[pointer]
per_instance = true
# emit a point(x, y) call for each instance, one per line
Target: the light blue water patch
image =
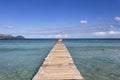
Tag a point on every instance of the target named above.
point(96, 59)
point(20, 59)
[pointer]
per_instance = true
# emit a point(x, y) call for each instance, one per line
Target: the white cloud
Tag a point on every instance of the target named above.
point(106, 33)
point(117, 18)
point(113, 32)
point(61, 36)
point(66, 35)
point(8, 26)
point(83, 22)
point(39, 36)
point(99, 33)
point(58, 36)
point(49, 36)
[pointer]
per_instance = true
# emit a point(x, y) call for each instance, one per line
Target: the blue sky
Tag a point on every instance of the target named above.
point(60, 18)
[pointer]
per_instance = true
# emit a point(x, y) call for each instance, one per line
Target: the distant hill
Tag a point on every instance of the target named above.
point(4, 36)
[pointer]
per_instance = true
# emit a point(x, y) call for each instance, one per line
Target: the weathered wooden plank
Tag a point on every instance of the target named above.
point(58, 65)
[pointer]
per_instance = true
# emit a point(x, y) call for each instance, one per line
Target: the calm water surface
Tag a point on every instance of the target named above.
point(20, 59)
point(96, 59)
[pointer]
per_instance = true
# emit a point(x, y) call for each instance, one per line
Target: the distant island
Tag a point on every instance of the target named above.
point(4, 36)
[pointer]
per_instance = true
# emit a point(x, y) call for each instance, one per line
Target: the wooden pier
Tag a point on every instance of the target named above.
point(58, 65)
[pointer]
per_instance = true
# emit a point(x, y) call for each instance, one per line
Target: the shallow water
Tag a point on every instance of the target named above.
point(96, 59)
point(20, 59)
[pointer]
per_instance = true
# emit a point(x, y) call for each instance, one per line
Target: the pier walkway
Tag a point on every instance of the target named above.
point(58, 65)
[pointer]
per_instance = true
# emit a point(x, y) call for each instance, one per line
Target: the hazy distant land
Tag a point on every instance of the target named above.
point(5, 36)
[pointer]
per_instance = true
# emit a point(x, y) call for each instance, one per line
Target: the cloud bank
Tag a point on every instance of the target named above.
point(72, 32)
point(106, 33)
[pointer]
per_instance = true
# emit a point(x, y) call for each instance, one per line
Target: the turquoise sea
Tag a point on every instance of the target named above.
point(20, 59)
point(97, 59)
